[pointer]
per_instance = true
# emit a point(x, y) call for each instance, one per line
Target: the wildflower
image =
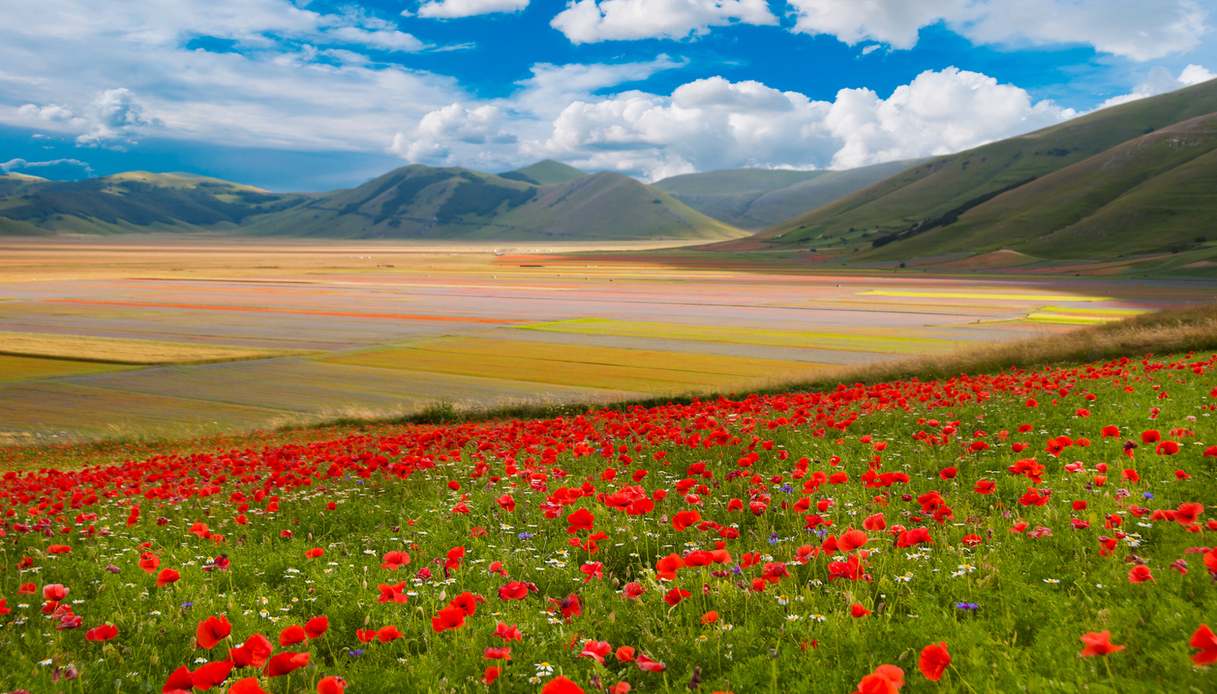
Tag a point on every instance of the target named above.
point(1098, 643)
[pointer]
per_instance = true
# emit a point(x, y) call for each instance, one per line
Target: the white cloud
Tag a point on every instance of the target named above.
point(1161, 81)
point(589, 21)
point(431, 140)
point(1131, 28)
point(113, 118)
point(714, 123)
point(451, 9)
point(23, 165)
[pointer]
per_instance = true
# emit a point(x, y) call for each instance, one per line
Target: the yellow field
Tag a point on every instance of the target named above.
point(14, 368)
point(638, 370)
point(1081, 316)
point(768, 337)
point(120, 351)
point(982, 295)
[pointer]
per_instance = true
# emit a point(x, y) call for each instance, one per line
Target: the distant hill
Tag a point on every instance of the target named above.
point(544, 173)
point(758, 198)
point(131, 201)
point(1136, 178)
point(547, 200)
point(441, 203)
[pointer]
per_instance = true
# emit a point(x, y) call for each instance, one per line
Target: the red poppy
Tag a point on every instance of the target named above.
point(1206, 641)
point(292, 635)
point(1140, 574)
point(211, 631)
point(105, 632)
point(508, 632)
point(314, 553)
point(254, 652)
point(858, 610)
point(886, 679)
point(674, 596)
point(449, 617)
point(285, 662)
point(331, 684)
point(1098, 643)
point(490, 674)
point(167, 577)
point(247, 685)
point(394, 559)
point(392, 592)
point(934, 660)
point(149, 562)
point(580, 521)
point(317, 626)
point(684, 519)
point(211, 675)
point(561, 685)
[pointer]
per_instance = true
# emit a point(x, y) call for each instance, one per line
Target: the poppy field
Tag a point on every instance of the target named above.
point(1044, 530)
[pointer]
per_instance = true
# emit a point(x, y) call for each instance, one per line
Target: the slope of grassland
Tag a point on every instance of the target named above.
point(758, 198)
point(1043, 529)
point(545, 172)
point(1150, 194)
point(934, 194)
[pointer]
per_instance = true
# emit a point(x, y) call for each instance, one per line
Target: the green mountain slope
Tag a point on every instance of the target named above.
point(545, 173)
point(132, 201)
point(421, 202)
point(935, 196)
point(1153, 193)
point(758, 198)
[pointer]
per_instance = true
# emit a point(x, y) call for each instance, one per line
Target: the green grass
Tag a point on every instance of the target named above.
point(1035, 596)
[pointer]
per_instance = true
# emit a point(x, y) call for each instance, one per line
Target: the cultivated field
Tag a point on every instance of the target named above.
point(155, 337)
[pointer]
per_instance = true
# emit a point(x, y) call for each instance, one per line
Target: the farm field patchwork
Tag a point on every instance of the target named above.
point(1043, 530)
point(323, 321)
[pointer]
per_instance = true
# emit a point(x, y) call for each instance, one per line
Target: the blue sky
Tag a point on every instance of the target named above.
point(315, 95)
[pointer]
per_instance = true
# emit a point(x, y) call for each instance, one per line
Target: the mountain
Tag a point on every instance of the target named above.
point(758, 198)
point(545, 172)
point(547, 200)
point(1134, 178)
point(441, 203)
point(131, 201)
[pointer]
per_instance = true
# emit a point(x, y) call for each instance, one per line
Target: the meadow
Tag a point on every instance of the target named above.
point(145, 338)
point(1039, 529)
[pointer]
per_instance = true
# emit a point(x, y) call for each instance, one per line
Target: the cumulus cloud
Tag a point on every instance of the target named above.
point(452, 9)
point(715, 123)
point(1161, 81)
point(1131, 28)
point(590, 21)
point(113, 118)
point(455, 124)
point(13, 165)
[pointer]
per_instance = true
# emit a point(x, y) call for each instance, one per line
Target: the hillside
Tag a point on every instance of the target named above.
point(758, 198)
point(545, 172)
point(547, 200)
point(421, 202)
point(1115, 173)
point(131, 201)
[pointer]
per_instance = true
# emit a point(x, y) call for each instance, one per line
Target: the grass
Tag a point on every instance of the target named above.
point(639, 370)
point(18, 368)
point(995, 295)
point(884, 342)
point(1035, 594)
point(112, 350)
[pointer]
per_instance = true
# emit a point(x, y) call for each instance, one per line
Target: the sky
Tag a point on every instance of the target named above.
point(314, 95)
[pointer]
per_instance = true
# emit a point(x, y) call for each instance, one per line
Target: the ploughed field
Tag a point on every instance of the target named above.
point(1046, 530)
point(148, 338)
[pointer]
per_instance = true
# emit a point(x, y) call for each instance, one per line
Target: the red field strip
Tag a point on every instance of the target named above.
point(291, 311)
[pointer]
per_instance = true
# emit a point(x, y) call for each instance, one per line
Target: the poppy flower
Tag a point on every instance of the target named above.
point(709, 617)
point(858, 610)
point(490, 674)
point(292, 635)
point(314, 553)
point(167, 577)
point(674, 596)
point(646, 664)
point(625, 654)
point(211, 631)
point(596, 650)
point(579, 521)
point(105, 632)
point(388, 633)
point(886, 679)
point(285, 662)
point(514, 590)
point(180, 680)
point(467, 602)
point(149, 562)
point(508, 632)
point(934, 661)
point(394, 560)
point(331, 684)
point(447, 618)
point(317, 626)
point(561, 685)
point(211, 675)
point(54, 592)
point(634, 590)
point(1098, 643)
point(254, 652)
point(247, 685)
point(1140, 574)
point(392, 592)
point(1205, 641)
